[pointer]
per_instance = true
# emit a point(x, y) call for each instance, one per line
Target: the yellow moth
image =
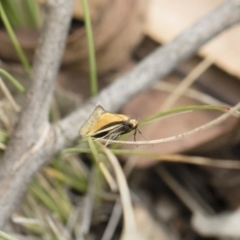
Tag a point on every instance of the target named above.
point(106, 125)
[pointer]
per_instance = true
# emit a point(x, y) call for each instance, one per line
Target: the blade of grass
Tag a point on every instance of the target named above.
point(231, 164)
point(32, 209)
point(176, 187)
point(182, 110)
point(129, 227)
point(33, 13)
point(113, 221)
point(179, 158)
point(12, 80)
point(73, 182)
point(14, 40)
point(76, 150)
point(6, 124)
point(3, 136)
point(91, 51)
point(40, 195)
point(190, 93)
point(54, 228)
point(76, 165)
point(71, 168)
point(63, 203)
point(33, 225)
point(111, 182)
point(195, 73)
point(9, 96)
point(88, 204)
point(60, 192)
point(12, 13)
point(6, 236)
point(48, 198)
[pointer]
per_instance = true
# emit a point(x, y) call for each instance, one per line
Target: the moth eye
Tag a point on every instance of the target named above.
point(128, 126)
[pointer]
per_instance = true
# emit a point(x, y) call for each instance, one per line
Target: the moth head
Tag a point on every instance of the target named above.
point(133, 122)
point(129, 125)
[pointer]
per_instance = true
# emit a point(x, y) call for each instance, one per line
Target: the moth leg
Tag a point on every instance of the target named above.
point(134, 135)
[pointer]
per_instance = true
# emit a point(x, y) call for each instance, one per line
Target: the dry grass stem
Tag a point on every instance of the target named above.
point(9, 96)
point(191, 93)
point(187, 82)
point(203, 161)
point(129, 224)
point(183, 194)
point(113, 221)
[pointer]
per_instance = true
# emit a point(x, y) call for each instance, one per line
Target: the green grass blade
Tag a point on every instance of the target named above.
point(3, 136)
point(12, 80)
point(91, 51)
point(33, 13)
point(6, 236)
point(76, 150)
point(14, 40)
point(182, 110)
point(46, 198)
point(12, 13)
point(73, 181)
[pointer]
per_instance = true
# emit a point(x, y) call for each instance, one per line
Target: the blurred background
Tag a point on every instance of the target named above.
point(69, 198)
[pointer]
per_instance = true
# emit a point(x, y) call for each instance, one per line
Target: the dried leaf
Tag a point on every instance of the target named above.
point(167, 19)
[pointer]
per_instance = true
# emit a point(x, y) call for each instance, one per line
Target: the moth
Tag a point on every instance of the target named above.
point(106, 125)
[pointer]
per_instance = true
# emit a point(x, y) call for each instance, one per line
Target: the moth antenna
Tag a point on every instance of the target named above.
point(144, 136)
point(141, 134)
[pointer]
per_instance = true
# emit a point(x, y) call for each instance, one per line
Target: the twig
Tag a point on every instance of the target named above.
point(45, 68)
point(35, 113)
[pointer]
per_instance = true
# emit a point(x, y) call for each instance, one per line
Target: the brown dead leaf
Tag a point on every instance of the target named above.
point(167, 19)
point(149, 102)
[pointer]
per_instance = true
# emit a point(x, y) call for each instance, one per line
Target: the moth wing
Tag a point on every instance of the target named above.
point(108, 130)
point(92, 120)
